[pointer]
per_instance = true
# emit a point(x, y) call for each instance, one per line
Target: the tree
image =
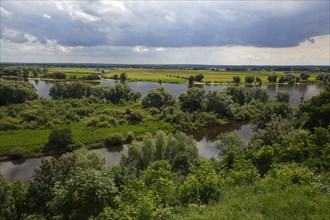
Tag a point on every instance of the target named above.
point(84, 195)
point(12, 92)
point(249, 79)
point(199, 77)
point(272, 132)
point(221, 103)
point(272, 78)
point(283, 96)
point(281, 79)
point(193, 99)
point(236, 79)
point(115, 77)
point(25, 72)
point(318, 110)
point(258, 80)
point(191, 79)
point(55, 172)
point(60, 139)
point(119, 92)
point(158, 98)
point(304, 76)
point(228, 141)
point(74, 90)
point(123, 77)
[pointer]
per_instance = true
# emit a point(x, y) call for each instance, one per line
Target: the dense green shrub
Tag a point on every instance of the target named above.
point(113, 140)
point(59, 139)
point(16, 92)
point(158, 97)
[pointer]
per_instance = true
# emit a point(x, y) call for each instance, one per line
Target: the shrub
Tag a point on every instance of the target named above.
point(60, 139)
point(114, 139)
point(130, 137)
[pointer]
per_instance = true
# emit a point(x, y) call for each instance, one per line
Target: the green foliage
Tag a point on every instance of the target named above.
point(59, 139)
point(271, 110)
point(318, 110)
point(236, 79)
point(91, 77)
point(158, 97)
point(220, 103)
point(55, 172)
point(249, 79)
point(179, 149)
point(272, 78)
point(271, 133)
point(83, 195)
point(282, 96)
point(114, 140)
point(74, 90)
point(16, 92)
point(193, 99)
point(244, 95)
point(120, 92)
point(123, 77)
point(228, 141)
point(199, 77)
point(202, 185)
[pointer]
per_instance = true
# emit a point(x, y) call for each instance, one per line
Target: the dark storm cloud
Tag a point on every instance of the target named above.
point(167, 24)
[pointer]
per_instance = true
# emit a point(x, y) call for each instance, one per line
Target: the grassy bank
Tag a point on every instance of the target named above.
point(31, 142)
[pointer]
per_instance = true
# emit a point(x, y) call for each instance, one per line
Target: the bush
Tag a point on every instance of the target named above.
point(130, 137)
point(16, 92)
point(114, 139)
point(60, 139)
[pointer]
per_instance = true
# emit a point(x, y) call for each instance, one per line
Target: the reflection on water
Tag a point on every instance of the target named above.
point(20, 169)
point(112, 154)
point(206, 137)
point(42, 87)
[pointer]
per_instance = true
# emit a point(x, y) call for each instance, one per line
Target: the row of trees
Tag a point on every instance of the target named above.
point(78, 90)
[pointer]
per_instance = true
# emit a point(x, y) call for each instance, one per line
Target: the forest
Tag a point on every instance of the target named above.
point(281, 173)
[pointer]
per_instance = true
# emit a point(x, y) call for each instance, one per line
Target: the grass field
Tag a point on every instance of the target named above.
point(31, 142)
point(178, 75)
point(170, 75)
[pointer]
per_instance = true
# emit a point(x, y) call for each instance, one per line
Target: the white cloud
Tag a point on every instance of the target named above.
point(46, 16)
point(4, 12)
point(76, 12)
point(140, 49)
point(160, 49)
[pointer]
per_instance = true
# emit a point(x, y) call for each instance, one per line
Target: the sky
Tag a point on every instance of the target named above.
point(166, 32)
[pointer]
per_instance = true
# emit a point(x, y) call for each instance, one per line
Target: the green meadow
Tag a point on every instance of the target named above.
point(170, 75)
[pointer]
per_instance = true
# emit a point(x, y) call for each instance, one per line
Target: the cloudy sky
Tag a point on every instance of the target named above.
point(166, 32)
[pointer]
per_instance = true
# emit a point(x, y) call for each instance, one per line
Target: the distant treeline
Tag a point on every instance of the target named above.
point(175, 66)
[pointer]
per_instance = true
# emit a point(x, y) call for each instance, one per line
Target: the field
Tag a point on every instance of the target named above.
point(170, 75)
point(30, 141)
